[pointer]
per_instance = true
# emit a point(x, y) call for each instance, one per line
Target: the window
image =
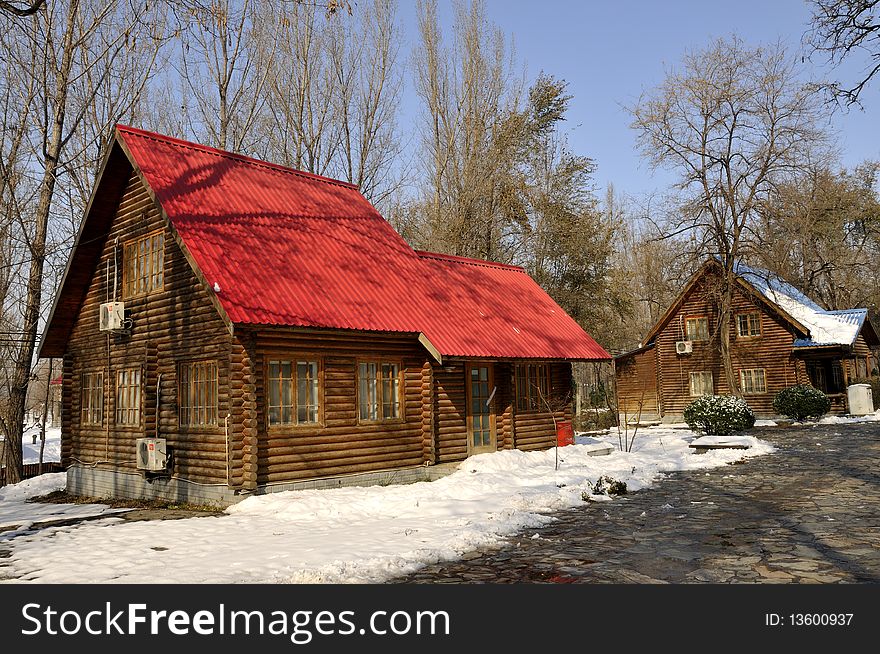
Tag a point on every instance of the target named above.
point(128, 396)
point(753, 381)
point(142, 264)
point(92, 398)
point(532, 386)
point(697, 329)
point(197, 393)
point(378, 390)
point(748, 325)
point(292, 396)
point(702, 384)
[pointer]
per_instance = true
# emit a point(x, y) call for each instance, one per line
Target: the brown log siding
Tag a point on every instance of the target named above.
point(636, 378)
point(771, 351)
point(177, 323)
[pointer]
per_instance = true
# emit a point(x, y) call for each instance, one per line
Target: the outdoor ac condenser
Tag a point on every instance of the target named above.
point(684, 347)
point(112, 316)
point(151, 454)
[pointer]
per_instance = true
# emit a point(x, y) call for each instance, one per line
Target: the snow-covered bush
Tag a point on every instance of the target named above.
point(801, 401)
point(719, 415)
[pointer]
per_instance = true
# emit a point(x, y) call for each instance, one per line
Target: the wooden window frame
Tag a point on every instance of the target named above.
point(740, 335)
point(293, 358)
point(401, 394)
point(88, 409)
point(189, 426)
point(524, 402)
point(691, 382)
point(128, 268)
point(687, 334)
point(742, 382)
point(140, 397)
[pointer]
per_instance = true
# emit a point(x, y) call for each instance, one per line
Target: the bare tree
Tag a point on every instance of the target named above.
point(333, 92)
point(841, 29)
point(68, 51)
point(733, 122)
point(822, 232)
point(21, 9)
point(223, 70)
point(473, 125)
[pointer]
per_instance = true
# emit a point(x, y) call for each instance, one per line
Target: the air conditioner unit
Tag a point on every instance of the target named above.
point(112, 316)
point(684, 347)
point(151, 454)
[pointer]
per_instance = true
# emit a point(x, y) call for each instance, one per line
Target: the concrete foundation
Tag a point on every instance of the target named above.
point(103, 482)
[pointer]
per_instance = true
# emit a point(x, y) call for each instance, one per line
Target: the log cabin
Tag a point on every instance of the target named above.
point(229, 326)
point(778, 337)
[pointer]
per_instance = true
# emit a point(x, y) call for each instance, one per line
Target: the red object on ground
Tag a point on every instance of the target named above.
point(564, 433)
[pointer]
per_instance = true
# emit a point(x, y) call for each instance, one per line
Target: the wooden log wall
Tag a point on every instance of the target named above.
point(504, 405)
point(636, 383)
point(535, 430)
point(429, 443)
point(450, 413)
point(771, 351)
point(343, 444)
point(176, 324)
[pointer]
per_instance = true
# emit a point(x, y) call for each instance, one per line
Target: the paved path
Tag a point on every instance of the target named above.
point(808, 513)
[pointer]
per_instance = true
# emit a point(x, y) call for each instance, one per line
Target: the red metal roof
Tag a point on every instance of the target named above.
point(290, 248)
point(496, 310)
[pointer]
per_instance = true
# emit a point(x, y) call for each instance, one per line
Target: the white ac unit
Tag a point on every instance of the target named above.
point(684, 347)
point(112, 316)
point(151, 454)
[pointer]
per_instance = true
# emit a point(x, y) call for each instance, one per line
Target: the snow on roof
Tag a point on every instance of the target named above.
point(825, 327)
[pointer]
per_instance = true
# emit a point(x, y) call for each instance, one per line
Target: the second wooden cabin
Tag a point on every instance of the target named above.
point(778, 338)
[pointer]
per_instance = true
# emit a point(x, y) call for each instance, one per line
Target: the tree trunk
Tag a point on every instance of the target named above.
point(46, 399)
point(22, 370)
point(724, 319)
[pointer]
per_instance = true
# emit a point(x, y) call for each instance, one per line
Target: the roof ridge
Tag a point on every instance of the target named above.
point(424, 254)
point(207, 149)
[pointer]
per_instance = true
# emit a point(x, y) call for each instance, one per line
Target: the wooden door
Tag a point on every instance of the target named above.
point(481, 415)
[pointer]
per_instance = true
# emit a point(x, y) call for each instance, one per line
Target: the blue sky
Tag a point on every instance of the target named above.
point(610, 51)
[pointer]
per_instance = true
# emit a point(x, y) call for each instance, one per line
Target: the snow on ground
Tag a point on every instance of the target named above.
point(18, 516)
point(353, 534)
point(839, 420)
point(31, 450)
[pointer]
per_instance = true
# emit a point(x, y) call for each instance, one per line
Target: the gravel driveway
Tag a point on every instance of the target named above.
point(810, 513)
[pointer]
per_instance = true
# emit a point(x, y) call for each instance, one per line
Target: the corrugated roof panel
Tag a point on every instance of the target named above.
point(290, 248)
point(499, 311)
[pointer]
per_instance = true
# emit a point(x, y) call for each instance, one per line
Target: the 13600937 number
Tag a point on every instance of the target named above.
point(820, 619)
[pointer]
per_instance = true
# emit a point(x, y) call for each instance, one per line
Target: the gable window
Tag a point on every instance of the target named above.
point(378, 390)
point(293, 392)
point(128, 396)
point(532, 386)
point(697, 328)
point(702, 384)
point(92, 395)
point(753, 381)
point(197, 394)
point(143, 262)
point(748, 325)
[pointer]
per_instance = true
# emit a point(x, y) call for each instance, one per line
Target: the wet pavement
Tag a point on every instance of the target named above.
point(809, 513)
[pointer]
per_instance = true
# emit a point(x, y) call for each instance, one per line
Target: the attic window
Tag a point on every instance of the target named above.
point(143, 262)
point(748, 325)
point(697, 328)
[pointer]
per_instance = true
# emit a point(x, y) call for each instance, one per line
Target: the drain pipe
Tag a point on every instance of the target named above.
point(226, 434)
point(158, 392)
